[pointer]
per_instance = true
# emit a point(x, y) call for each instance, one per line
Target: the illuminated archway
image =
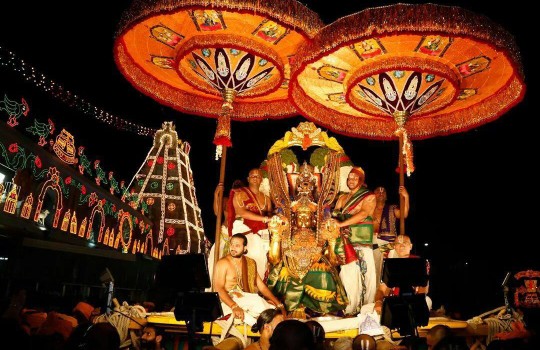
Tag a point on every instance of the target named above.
point(51, 183)
point(99, 210)
point(123, 233)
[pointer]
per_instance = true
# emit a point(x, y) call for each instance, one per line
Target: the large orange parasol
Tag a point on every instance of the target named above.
point(409, 72)
point(216, 58)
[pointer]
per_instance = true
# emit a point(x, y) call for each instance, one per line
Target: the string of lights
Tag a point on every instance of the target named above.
point(11, 61)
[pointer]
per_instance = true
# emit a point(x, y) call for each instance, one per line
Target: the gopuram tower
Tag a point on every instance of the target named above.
point(164, 190)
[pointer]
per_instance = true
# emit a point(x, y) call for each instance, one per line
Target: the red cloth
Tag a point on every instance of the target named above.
point(57, 323)
point(518, 331)
point(33, 319)
point(84, 308)
point(250, 204)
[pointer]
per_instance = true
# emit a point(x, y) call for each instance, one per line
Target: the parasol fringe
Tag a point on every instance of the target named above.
point(291, 13)
point(410, 18)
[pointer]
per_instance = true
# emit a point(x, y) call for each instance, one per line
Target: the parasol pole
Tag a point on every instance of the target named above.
point(217, 237)
point(223, 140)
point(401, 118)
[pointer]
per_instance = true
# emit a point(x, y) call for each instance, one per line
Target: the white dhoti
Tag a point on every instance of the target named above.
point(350, 277)
point(359, 280)
point(253, 305)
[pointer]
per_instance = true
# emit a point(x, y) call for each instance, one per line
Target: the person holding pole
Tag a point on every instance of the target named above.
point(385, 225)
point(248, 212)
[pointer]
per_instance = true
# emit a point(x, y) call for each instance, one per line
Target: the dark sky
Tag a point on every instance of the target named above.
point(473, 195)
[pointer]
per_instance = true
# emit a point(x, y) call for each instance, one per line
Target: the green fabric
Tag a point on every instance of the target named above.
point(339, 250)
point(295, 292)
point(362, 233)
point(356, 198)
point(359, 234)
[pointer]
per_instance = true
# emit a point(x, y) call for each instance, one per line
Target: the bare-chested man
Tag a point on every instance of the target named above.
point(354, 210)
point(237, 282)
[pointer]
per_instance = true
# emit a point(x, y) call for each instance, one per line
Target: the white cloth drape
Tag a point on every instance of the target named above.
point(358, 284)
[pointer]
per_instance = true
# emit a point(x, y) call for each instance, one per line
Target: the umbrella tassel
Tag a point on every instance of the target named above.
point(408, 153)
point(406, 150)
point(223, 130)
point(406, 147)
point(223, 134)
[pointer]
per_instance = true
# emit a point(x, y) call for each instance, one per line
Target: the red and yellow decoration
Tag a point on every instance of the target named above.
point(305, 135)
point(27, 206)
point(64, 147)
point(527, 292)
point(206, 57)
point(412, 71)
point(11, 200)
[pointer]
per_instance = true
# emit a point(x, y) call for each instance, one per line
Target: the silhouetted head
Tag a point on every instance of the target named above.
point(364, 342)
point(292, 335)
point(100, 336)
point(436, 334)
point(267, 322)
point(318, 331)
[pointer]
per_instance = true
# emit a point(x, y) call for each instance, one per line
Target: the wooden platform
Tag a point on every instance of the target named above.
point(460, 328)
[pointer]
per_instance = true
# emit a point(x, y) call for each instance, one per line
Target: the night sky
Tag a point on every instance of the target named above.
point(473, 195)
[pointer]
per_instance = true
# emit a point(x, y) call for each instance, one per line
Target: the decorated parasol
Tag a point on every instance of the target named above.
point(408, 72)
point(225, 59)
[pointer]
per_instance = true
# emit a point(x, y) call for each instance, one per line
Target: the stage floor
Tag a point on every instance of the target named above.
point(168, 322)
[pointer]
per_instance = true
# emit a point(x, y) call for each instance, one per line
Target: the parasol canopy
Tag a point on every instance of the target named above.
point(409, 72)
point(447, 69)
point(204, 57)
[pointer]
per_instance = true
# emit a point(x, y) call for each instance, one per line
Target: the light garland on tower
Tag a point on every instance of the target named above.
point(10, 60)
